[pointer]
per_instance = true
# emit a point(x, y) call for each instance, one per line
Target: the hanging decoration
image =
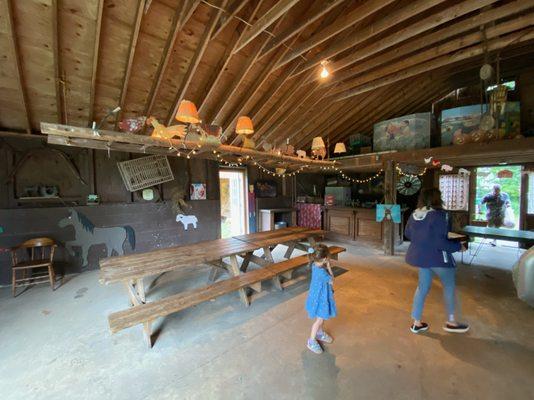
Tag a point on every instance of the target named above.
point(403, 173)
point(408, 185)
point(505, 173)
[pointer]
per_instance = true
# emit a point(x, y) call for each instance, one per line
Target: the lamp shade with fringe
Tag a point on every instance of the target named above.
point(317, 143)
point(187, 112)
point(340, 148)
point(244, 126)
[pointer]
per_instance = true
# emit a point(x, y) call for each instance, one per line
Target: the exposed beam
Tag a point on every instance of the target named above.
point(421, 42)
point(279, 9)
point(262, 102)
point(410, 31)
point(395, 17)
point(251, 61)
point(220, 69)
point(60, 104)
point(237, 6)
point(470, 52)
point(130, 59)
point(96, 51)
point(181, 16)
point(434, 52)
point(318, 10)
point(346, 21)
point(199, 52)
point(252, 90)
point(16, 54)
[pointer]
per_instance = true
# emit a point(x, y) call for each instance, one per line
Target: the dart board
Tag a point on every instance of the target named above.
point(408, 185)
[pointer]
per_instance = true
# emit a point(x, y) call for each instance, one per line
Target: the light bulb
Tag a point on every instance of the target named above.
point(324, 72)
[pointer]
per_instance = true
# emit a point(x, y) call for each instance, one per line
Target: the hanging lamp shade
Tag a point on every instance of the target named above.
point(244, 126)
point(340, 148)
point(317, 143)
point(187, 112)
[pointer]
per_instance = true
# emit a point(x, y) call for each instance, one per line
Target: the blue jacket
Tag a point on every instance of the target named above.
point(429, 247)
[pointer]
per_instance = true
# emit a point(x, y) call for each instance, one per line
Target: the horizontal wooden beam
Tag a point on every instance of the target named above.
point(278, 10)
point(345, 21)
point(147, 144)
point(470, 52)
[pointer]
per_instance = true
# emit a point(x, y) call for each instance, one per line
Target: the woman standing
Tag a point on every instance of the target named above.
point(431, 251)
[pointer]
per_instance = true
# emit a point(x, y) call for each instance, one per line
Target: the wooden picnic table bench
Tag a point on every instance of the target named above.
point(146, 313)
point(131, 269)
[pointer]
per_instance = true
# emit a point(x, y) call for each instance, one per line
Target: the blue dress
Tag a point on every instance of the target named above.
point(320, 302)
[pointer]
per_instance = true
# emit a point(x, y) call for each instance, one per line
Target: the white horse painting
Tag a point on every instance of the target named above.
point(86, 234)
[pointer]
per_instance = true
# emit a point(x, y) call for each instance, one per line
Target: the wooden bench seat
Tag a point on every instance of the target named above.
point(144, 313)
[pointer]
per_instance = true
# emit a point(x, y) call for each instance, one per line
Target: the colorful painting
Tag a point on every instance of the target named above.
point(265, 189)
point(197, 191)
point(462, 124)
point(403, 133)
point(388, 212)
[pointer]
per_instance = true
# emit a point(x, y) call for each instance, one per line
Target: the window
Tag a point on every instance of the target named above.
point(530, 194)
point(454, 192)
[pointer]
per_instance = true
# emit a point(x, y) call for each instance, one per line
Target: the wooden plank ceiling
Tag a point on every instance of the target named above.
point(71, 61)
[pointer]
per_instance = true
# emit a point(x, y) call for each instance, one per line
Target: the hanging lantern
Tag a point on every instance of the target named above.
point(187, 112)
point(340, 148)
point(244, 126)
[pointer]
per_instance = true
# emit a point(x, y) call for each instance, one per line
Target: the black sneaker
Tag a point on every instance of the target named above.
point(418, 329)
point(458, 328)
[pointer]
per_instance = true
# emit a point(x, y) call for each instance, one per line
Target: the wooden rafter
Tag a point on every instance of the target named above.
point(448, 47)
point(346, 21)
point(420, 43)
point(470, 52)
point(236, 7)
point(252, 90)
point(317, 11)
point(16, 54)
point(396, 17)
point(412, 30)
point(96, 51)
point(199, 52)
point(60, 104)
point(181, 16)
point(278, 10)
point(221, 67)
point(224, 102)
point(130, 59)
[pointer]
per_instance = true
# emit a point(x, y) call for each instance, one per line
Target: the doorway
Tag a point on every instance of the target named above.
point(233, 202)
point(509, 179)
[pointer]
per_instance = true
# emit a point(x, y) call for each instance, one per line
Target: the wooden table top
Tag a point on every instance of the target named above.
point(134, 266)
point(278, 236)
point(498, 233)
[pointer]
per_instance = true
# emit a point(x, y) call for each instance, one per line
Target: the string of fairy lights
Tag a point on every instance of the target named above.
point(401, 172)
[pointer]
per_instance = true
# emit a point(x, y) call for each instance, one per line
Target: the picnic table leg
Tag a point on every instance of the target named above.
point(246, 261)
point(234, 269)
point(135, 300)
point(140, 287)
point(290, 248)
point(269, 257)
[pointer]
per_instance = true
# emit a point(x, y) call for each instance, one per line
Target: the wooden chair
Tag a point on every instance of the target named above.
point(40, 252)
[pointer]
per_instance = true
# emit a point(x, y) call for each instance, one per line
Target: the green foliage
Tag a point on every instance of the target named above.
point(487, 177)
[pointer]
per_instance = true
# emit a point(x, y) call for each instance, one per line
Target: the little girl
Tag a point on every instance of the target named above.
point(320, 303)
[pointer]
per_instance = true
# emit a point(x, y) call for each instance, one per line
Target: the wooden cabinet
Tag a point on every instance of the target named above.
point(354, 224)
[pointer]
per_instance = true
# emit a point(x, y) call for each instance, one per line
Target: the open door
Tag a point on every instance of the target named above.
point(233, 202)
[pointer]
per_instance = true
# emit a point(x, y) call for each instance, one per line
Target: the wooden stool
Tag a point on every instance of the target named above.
point(41, 253)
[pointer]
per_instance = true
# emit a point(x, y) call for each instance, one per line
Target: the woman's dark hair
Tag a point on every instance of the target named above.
point(320, 251)
point(430, 198)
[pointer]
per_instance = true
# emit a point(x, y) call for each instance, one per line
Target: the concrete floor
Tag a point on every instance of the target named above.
point(56, 345)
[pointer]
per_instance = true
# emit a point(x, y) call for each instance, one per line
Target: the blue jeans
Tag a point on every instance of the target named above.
point(448, 279)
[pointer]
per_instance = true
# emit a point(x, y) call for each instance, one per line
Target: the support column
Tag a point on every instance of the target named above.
point(390, 197)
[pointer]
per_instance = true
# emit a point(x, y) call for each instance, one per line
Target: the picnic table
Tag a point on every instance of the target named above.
point(131, 269)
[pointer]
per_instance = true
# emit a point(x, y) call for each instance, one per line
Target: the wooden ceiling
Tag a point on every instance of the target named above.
point(71, 61)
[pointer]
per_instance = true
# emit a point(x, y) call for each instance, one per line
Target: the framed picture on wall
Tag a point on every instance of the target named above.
point(265, 188)
point(198, 191)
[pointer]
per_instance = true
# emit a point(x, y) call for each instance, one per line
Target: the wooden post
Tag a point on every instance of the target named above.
point(389, 198)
